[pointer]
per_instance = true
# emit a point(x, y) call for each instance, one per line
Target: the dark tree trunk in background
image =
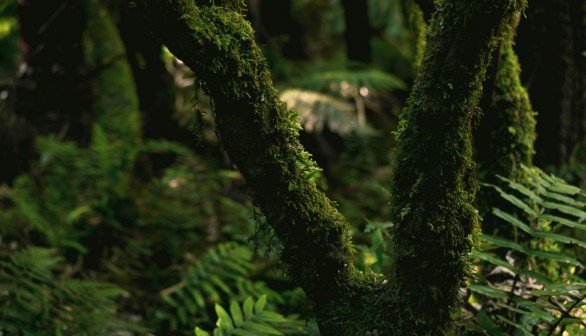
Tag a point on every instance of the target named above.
point(427, 7)
point(506, 132)
point(154, 84)
point(549, 45)
point(358, 30)
point(51, 93)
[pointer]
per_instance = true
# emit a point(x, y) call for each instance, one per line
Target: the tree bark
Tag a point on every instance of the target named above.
point(358, 31)
point(433, 185)
point(549, 45)
point(506, 133)
point(53, 67)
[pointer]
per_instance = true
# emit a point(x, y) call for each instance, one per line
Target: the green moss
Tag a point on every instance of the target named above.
point(116, 106)
point(260, 135)
point(505, 137)
point(434, 186)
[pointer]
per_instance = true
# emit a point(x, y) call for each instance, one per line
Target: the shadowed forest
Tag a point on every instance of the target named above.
point(293, 167)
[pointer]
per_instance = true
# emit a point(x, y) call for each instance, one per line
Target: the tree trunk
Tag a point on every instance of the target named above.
point(154, 84)
point(549, 45)
point(50, 95)
point(434, 181)
point(53, 68)
point(505, 136)
point(433, 186)
point(358, 30)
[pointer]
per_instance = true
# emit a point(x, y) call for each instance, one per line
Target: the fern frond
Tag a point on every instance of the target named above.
point(222, 272)
point(338, 82)
point(252, 318)
point(35, 302)
point(318, 111)
point(536, 285)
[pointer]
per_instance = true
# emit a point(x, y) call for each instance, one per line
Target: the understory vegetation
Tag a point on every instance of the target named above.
point(118, 232)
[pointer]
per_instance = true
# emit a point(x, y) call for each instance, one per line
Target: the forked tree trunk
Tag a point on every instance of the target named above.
point(433, 186)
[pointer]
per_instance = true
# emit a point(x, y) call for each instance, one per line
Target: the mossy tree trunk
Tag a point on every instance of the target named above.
point(504, 138)
point(433, 186)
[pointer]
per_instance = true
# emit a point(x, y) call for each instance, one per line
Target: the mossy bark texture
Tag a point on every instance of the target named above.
point(504, 139)
point(260, 136)
point(433, 188)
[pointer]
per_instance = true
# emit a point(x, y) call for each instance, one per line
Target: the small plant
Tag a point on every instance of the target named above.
point(533, 284)
point(253, 318)
point(36, 302)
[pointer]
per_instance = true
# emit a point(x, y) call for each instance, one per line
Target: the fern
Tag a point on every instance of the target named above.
point(223, 272)
point(536, 288)
point(252, 318)
point(345, 83)
point(318, 111)
point(35, 302)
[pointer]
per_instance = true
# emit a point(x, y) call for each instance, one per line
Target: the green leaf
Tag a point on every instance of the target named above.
point(557, 256)
point(571, 320)
point(516, 325)
point(260, 328)
point(562, 187)
point(200, 332)
point(513, 220)
point(224, 320)
point(247, 307)
point(491, 259)
point(502, 242)
point(260, 304)
point(243, 332)
point(236, 313)
point(488, 291)
point(559, 238)
point(516, 202)
point(272, 317)
point(563, 221)
point(565, 199)
point(522, 189)
point(487, 324)
point(565, 209)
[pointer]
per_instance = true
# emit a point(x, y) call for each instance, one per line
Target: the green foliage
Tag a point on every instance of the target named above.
point(252, 318)
point(9, 52)
point(34, 301)
point(337, 99)
point(222, 273)
point(533, 284)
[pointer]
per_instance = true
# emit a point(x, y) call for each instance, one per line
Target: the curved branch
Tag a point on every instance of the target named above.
point(260, 136)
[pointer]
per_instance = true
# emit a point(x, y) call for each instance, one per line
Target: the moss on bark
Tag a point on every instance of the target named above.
point(116, 107)
point(505, 136)
point(433, 186)
point(260, 136)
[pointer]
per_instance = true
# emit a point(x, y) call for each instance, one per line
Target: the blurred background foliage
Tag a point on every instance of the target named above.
point(114, 220)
